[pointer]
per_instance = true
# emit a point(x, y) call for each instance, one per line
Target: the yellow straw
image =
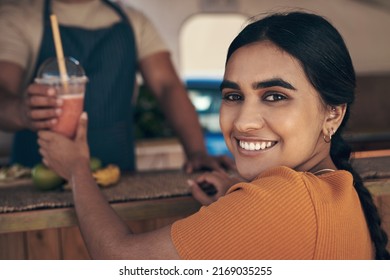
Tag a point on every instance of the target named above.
point(59, 51)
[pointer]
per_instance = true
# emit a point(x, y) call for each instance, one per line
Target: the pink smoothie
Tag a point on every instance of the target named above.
point(71, 111)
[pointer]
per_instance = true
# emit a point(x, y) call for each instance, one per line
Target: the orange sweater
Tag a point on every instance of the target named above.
point(282, 214)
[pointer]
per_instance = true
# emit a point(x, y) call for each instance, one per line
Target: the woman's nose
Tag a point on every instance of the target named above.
point(249, 118)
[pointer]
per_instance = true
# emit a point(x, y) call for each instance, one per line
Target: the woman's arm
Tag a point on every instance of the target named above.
point(105, 234)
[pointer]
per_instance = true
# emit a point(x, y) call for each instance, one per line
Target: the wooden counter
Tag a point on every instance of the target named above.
point(43, 225)
point(53, 233)
point(32, 228)
point(66, 217)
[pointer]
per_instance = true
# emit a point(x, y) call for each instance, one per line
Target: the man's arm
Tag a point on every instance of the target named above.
point(36, 109)
point(10, 100)
point(160, 76)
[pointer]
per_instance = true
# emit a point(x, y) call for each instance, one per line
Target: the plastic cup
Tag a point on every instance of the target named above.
point(71, 91)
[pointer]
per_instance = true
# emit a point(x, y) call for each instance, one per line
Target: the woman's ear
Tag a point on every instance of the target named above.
point(334, 117)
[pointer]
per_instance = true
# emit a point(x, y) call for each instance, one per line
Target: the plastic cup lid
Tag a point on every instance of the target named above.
point(49, 72)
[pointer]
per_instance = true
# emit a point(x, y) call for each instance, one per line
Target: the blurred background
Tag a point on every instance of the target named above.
point(198, 33)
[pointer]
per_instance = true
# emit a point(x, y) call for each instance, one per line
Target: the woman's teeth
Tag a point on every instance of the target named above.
point(255, 146)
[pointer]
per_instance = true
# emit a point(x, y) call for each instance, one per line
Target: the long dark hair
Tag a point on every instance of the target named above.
point(322, 53)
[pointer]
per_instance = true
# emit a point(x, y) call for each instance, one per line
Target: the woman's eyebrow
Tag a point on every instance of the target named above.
point(228, 84)
point(276, 82)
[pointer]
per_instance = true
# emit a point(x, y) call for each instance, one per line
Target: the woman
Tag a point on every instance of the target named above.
point(287, 88)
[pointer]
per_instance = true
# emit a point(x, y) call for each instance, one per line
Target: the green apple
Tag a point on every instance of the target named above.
point(44, 178)
point(95, 164)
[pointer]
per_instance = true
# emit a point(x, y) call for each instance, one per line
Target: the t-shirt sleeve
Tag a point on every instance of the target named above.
point(271, 218)
point(148, 39)
point(14, 46)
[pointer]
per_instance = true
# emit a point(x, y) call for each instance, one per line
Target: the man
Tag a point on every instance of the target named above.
point(112, 43)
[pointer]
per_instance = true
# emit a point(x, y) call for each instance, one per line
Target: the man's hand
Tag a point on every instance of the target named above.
point(40, 107)
point(35, 107)
point(205, 162)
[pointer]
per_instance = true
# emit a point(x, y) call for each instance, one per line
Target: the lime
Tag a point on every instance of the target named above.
point(44, 178)
point(95, 164)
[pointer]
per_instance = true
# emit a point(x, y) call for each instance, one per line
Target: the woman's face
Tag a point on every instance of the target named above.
point(270, 114)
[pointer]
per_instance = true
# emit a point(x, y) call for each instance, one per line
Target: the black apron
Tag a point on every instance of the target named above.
point(109, 58)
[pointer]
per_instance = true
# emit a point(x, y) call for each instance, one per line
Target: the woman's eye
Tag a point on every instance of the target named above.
point(232, 97)
point(273, 97)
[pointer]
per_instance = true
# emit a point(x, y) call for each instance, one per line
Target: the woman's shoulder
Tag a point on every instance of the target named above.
point(274, 177)
point(279, 183)
point(285, 180)
point(284, 173)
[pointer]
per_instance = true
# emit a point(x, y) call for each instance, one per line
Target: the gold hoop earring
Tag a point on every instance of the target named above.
point(326, 138)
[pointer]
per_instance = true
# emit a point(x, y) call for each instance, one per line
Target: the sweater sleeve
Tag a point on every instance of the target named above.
point(270, 218)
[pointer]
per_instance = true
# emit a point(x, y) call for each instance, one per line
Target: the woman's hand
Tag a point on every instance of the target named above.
point(220, 180)
point(62, 154)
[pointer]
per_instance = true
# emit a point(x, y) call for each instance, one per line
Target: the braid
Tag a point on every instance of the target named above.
point(340, 153)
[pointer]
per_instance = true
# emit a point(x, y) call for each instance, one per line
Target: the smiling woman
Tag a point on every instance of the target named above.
point(288, 85)
point(271, 115)
point(287, 89)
